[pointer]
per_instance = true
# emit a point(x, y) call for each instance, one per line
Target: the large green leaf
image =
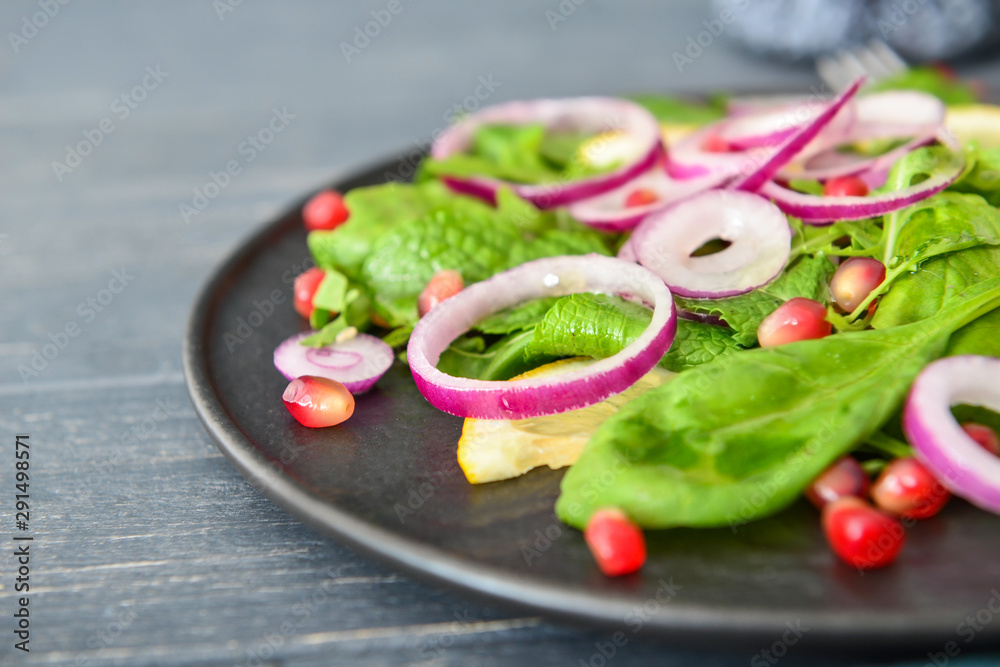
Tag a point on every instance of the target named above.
point(739, 438)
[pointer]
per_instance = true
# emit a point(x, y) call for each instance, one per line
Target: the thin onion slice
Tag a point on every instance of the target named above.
point(958, 462)
point(609, 212)
point(813, 209)
point(687, 159)
point(791, 146)
point(768, 127)
point(585, 114)
point(757, 230)
point(915, 116)
point(357, 362)
point(520, 399)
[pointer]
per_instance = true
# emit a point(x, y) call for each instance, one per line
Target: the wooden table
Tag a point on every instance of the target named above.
point(149, 548)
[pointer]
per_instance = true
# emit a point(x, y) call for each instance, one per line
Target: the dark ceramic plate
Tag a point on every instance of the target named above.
point(388, 483)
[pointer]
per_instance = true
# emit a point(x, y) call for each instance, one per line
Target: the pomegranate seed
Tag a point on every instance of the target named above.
point(325, 210)
point(854, 281)
point(860, 535)
point(617, 544)
point(304, 290)
point(984, 435)
point(906, 488)
point(713, 143)
point(444, 284)
point(845, 186)
point(796, 319)
point(318, 402)
point(642, 197)
point(844, 478)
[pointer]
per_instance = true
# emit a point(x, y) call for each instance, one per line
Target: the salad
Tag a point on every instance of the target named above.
point(705, 310)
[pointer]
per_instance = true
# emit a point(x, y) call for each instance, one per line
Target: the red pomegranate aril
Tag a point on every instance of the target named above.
point(906, 488)
point(325, 210)
point(713, 143)
point(617, 544)
point(641, 197)
point(854, 280)
point(845, 186)
point(842, 479)
point(304, 290)
point(443, 285)
point(318, 402)
point(860, 535)
point(796, 319)
point(984, 436)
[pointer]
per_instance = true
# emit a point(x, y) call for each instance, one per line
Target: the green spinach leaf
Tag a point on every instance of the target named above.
point(807, 277)
point(917, 296)
point(739, 438)
point(517, 318)
point(377, 209)
point(597, 325)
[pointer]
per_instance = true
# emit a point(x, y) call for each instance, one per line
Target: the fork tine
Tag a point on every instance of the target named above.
point(877, 61)
point(889, 58)
point(873, 65)
point(830, 71)
point(852, 66)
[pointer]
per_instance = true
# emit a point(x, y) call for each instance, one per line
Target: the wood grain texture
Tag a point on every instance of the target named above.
point(150, 549)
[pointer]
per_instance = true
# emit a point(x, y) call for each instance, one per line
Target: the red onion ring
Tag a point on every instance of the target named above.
point(770, 126)
point(357, 362)
point(520, 399)
point(757, 230)
point(886, 115)
point(820, 210)
point(588, 114)
point(789, 148)
point(608, 211)
point(687, 159)
point(949, 453)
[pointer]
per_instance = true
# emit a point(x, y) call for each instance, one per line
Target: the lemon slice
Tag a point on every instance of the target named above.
point(494, 449)
point(979, 122)
point(607, 149)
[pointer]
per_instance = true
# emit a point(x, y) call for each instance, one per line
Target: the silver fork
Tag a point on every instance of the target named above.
point(875, 60)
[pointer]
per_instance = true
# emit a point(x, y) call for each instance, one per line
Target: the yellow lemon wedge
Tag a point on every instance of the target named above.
point(607, 149)
point(494, 449)
point(979, 122)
